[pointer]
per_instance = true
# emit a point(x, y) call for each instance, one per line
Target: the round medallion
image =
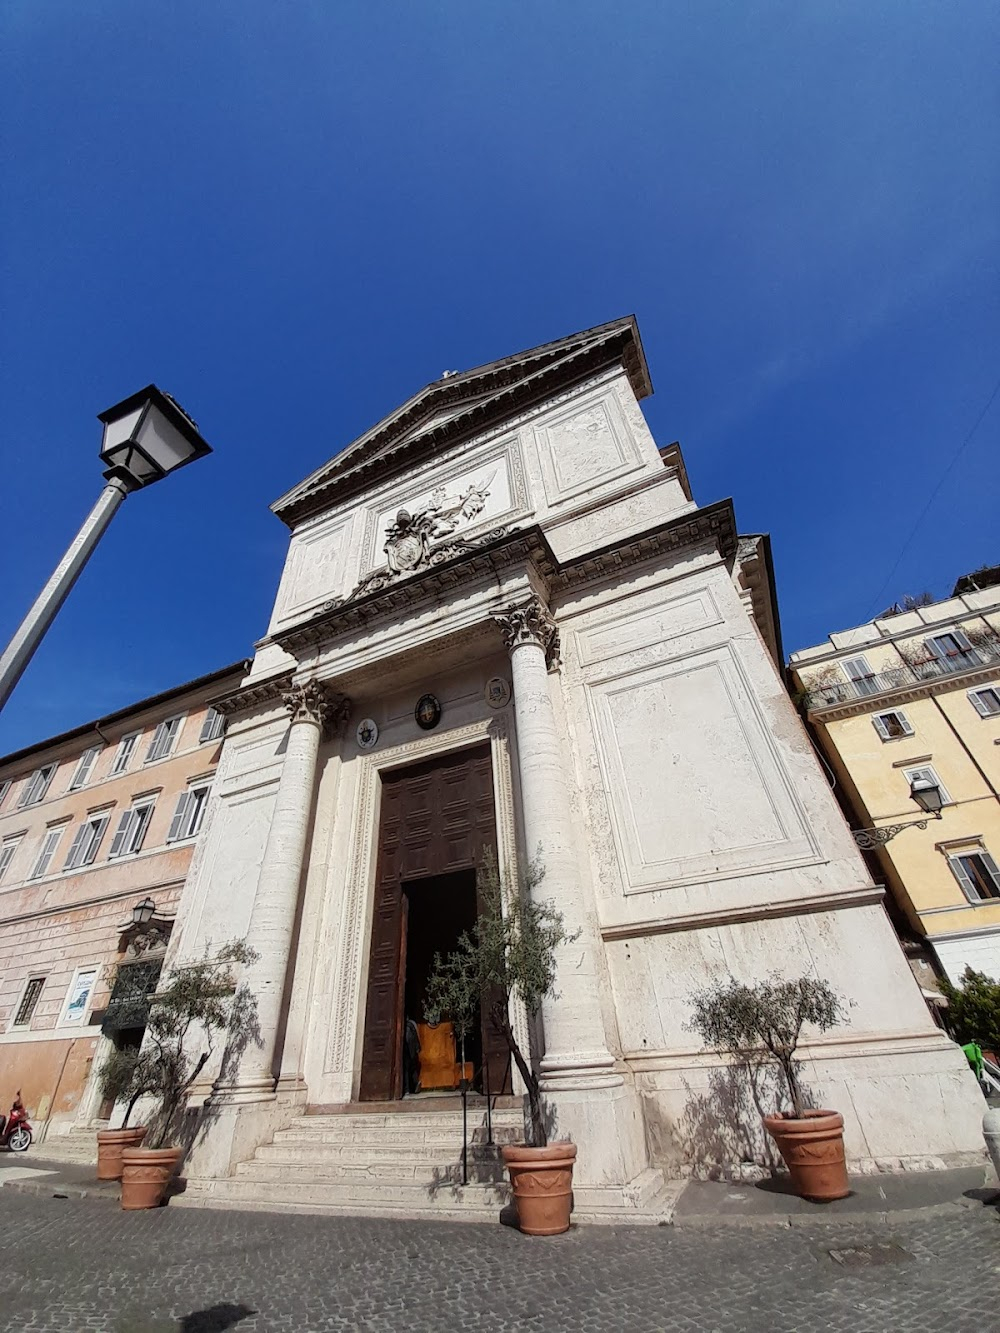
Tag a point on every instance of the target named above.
point(427, 712)
point(497, 692)
point(367, 734)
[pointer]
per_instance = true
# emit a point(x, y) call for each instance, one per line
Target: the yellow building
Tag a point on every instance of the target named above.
point(906, 707)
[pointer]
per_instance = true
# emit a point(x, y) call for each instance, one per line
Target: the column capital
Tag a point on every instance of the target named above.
point(313, 702)
point(533, 623)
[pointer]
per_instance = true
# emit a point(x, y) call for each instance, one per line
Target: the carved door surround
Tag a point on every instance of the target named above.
point(342, 1062)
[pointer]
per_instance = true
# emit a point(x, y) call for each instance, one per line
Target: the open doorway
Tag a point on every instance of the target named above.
point(438, 909)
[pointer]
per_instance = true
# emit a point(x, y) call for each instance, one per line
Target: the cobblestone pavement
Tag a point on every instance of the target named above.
point(79, 1264)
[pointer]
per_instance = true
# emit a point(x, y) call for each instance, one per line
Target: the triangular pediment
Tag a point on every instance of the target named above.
point(463, 403)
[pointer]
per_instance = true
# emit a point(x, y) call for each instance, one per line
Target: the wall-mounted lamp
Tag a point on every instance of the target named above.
point(927, 795)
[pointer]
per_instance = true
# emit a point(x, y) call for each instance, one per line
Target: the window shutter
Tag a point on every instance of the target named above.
point(98, 826)
point(84, 767)
point(857, 668)
point(935, 649)
point(991, 866)
point(177, 823)
point(960, 873)
point(76, 847)
point(212, 726)
point(979, 703)
point(879, 725)
point(121, 833)
point(154, 745)
point(143, 814)
point(961, 640)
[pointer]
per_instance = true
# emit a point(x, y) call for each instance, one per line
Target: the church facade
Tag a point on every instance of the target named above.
point(504, 625)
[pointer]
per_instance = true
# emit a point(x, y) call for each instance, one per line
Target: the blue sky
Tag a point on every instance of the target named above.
point(293, 216)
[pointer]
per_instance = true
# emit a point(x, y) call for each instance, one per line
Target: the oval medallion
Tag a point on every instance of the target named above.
point(427, 712)
point(367, 734)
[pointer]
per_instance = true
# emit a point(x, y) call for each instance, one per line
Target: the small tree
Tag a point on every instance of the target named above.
point(200, 1001)
point(763, 1023)
point(510, 952)
point(974, 1009)
point(126, 1075)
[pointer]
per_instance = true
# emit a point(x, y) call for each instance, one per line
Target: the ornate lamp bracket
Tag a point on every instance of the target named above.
point(531, 623)
point(870, 839)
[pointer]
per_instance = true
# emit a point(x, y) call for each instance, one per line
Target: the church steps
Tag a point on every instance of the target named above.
point(377, 1154)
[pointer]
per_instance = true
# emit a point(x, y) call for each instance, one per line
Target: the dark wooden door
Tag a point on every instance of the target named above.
point(437, 817)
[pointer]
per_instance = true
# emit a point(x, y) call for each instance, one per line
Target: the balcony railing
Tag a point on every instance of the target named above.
point(901, 677)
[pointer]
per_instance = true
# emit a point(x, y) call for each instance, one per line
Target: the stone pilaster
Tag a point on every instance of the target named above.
point(311, 709)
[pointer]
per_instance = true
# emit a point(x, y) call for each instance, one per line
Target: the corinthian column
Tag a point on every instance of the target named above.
point(272, 919)
point(576, 1053)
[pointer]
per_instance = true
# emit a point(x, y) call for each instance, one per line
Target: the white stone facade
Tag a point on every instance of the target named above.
point(648, 747)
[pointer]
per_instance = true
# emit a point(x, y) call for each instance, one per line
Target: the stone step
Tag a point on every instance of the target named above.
point(408, 1123)
point(81, 1149)
point(434, 1143)
point(407, 1153)
point(385, 1174)
point(380, 1199)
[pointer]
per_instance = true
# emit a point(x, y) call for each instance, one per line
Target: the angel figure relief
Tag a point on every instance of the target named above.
point(408, 537)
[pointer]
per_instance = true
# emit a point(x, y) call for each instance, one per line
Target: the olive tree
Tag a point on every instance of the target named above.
point(763, 1023)
point(508, 953)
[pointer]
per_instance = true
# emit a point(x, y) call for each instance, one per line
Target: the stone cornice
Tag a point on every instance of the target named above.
point(730, 916)
point(390, 446)
point(715, 523)
point(251, 696)
point(526, 545)
point(904, 694)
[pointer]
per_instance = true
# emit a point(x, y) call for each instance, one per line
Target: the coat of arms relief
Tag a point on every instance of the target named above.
point(429, 535)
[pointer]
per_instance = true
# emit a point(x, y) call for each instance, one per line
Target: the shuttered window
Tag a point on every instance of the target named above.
point(977, 873)
point(163, 739)
point(952, 650)
point(892, 725)
point(7, 849)
point(189, 814)
point(86, 841)
point(986, 702)
point(48, 848)
point(126, 748)
point(84, 768)
point(861, 674)
point(5, 787)
point(131, 830)
point(212, 727)
point(36, 786)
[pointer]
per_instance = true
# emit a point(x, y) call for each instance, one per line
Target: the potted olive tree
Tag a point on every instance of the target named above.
point(760, 1025)
point(125, 1076)
point(510, 953)
point(200, 1002)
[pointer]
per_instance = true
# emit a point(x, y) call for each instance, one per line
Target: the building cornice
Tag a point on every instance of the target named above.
point(252, 696)
point(714, 524)
point(803, 906)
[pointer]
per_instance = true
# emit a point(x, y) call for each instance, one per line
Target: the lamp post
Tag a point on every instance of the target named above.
point(927, 795)
point(146, 437)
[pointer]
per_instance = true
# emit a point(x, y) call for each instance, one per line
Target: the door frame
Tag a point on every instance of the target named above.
point(343, 1057)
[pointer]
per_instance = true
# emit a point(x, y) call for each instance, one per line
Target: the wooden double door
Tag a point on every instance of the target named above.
point(437, 821)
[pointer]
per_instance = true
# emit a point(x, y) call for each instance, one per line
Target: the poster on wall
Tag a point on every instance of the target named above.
point(79, 996)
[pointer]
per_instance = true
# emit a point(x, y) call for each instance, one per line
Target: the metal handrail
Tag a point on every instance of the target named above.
point(913, 673)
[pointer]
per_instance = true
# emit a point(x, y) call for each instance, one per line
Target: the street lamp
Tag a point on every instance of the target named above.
point(142, 913)
point(927, 795)
point(146, 437)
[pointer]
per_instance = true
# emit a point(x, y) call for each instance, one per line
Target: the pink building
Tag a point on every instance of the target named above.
point(92, 823)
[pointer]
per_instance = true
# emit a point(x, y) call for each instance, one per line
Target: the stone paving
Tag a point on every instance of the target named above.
point(82, 1264)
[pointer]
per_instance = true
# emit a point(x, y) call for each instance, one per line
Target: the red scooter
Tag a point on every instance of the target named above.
point(15, 1132)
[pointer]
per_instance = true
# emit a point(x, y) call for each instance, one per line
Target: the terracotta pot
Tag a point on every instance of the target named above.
point(110, 1144)
point(146, 1174)
point(542, 1179)
point(813, 1150)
